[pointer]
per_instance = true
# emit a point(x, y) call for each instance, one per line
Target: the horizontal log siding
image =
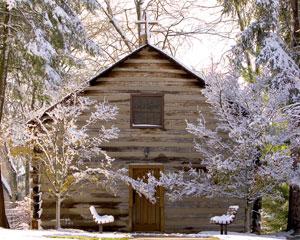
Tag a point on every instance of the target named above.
point(146, 72)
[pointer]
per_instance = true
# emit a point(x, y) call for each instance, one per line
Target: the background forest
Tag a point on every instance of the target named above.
point(49, 48)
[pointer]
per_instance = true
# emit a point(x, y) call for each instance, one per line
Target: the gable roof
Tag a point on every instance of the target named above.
point(93, 80)
point(169, 57)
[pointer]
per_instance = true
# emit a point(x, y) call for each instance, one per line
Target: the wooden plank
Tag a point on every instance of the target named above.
point(166, 90)
point(154, 81)
point(168, 65)
point(141, 155)
point(133, 78)
point(86, 212)
point(145, 87)
point(149, 143)
point(147, 74)
point(194, 212)
point(123, 120)
point(132, 60)
point(152, 149)
point(151, 70)
point(172, 112)
point(82, 223)
point(168, 124)
point(171, 108)
point(148, 55)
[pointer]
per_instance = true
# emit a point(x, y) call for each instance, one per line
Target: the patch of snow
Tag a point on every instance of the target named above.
point(39, 46)
point(9, 234)
point(53, 76)
point(11, 4)
point(47, 21)
point(242, 236)
point(224, 219)
point(6, 185)
point(230, 236)
point(12, 164)
point(101, 219)
point(234, 207)
point(21, 172)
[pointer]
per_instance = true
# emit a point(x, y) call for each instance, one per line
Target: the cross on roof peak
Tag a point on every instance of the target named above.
point(144, 33)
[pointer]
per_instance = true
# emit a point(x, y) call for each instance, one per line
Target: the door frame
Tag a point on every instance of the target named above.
point(160, 190)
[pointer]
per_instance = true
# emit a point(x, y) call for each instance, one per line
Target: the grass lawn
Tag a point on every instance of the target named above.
point(86, 238)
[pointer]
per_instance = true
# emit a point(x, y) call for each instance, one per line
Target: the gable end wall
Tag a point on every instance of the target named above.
point(147, 71)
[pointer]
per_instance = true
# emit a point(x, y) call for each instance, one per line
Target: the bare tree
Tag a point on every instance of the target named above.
point(180, 25)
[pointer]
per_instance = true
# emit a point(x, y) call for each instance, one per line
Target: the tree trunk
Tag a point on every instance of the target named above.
point(256, 217)
point(247, 221)
point(27, 177)
point(58, 206)
point(241, 23)
point(294, 198)
point(3, 219)
point(3, 77)
point(4, 59)
point(295, 5)
point(294, 210)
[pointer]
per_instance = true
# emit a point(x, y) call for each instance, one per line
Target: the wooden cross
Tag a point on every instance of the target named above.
point(146, 34)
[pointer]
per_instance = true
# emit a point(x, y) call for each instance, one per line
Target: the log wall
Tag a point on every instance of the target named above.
point(147, 71)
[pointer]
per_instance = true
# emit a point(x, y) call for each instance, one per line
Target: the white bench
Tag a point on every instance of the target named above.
point(101, 219)
point(225, 219)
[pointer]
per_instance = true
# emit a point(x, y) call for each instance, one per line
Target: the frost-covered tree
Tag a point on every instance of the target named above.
point(271, 38)
point(63, 144)
point(40, 37)
point(64, 147)
point(245, 156)
point(37, 42)
point(249, 152)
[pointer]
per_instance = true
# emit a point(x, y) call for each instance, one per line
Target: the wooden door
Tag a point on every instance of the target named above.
point(146, 216)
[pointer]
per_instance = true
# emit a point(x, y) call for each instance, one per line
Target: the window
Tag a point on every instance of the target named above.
point(147, 111)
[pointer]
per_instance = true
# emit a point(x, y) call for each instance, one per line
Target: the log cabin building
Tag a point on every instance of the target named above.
point(155, 95)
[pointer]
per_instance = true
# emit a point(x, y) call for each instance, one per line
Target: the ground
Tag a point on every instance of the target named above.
point(7, 234)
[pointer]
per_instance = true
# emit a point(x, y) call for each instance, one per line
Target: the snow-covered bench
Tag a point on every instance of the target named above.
point(225, 219)
point(101, 219)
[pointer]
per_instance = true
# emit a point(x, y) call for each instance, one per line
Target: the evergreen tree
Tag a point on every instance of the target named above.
point(37, 41)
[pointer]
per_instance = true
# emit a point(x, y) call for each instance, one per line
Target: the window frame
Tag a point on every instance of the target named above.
point(161, 95)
